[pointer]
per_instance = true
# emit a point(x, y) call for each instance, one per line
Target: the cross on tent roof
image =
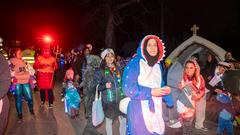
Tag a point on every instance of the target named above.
point(194, 29)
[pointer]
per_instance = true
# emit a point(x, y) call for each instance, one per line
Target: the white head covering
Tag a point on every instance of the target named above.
point(106, 51)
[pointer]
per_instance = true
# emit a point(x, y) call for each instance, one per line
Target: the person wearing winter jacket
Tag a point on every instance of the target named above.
point(108, 79)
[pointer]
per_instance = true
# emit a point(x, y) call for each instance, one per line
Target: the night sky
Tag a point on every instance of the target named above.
point(75, 22)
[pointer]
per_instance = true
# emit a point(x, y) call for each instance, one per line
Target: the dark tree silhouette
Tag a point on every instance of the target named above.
point(108, 11)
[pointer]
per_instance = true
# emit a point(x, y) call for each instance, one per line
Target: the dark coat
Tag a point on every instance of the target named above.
point(208, 74)
point(5, 79)
point(110, 108)
point(88, 88)
point(78, 66)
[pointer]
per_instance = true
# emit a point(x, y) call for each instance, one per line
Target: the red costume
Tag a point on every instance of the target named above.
point(45, 64)
point(45, 67)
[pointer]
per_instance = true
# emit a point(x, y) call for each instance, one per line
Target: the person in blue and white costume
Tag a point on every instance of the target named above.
point(143, 83)
point(72, 100)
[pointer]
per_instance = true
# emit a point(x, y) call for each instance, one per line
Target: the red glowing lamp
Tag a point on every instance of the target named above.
point(47, 39)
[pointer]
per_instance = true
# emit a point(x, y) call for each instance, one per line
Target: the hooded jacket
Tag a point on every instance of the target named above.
point(138, 80)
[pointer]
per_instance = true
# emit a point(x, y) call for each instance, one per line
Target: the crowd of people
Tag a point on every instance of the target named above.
point(142, 80)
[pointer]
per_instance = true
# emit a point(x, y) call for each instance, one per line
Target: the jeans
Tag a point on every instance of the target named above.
point(122, 127)
point(222, 124)
point(172, 112)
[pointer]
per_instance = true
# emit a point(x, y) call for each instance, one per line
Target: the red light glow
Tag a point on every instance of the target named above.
point(47, 39)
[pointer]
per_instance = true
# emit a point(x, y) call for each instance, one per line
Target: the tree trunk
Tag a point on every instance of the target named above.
point(109, 35)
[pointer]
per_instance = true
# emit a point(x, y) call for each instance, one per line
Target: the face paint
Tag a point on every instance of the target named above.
point(46, 52)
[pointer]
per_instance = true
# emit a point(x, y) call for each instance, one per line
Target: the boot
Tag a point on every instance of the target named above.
point(20, 116)
point(32, 112)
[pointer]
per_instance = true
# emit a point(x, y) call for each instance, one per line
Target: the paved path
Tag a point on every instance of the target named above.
point(48, 121)
point(56, 122)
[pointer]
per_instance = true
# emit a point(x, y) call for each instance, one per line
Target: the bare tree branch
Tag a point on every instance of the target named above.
point(123, 5)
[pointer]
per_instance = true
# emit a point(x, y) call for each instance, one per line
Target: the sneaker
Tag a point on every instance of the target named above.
point(20, 120)
point(203, 129)
point(174, 124)
point(50, 106)
point(62, 99)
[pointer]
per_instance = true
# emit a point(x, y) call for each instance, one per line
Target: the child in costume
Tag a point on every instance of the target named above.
point(68, 76)
point(71, 97)
point(72, 100)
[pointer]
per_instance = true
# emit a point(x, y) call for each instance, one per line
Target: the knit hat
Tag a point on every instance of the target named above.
point(106, 51)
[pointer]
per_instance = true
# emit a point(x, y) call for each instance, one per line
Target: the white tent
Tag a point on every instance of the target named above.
point(196, 44)
point(193, 45)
